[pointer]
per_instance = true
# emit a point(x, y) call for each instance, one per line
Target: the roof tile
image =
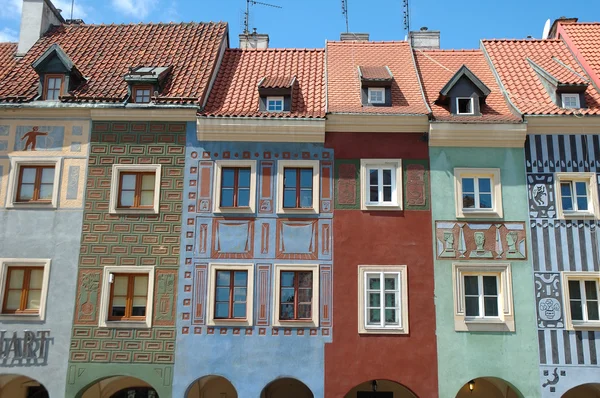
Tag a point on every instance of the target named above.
point(586, 39)
point(7, 58)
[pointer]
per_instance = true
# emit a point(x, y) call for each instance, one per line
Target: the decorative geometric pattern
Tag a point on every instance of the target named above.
point(297, 239)
point(150, 240)
point(326, 187)
point(267, 182)
point(481, 240)
point(347, 185)
point(549, 300)
point(416, 184)
point(540, 189)
point(233, 238)
point(568, 347)
point(554, 153)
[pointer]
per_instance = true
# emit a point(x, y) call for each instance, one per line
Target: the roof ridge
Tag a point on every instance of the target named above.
point(275, 49)
point(366, 42)
point(457, 51)
point(523, 40)
point(171, 23)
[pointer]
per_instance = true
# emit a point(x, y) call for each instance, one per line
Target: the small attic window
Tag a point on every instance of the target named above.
point(376, 85)
point(570, 101)
point(145, 80)
point(464, 106)
point(53, 85)
point(141, 94)
point(275, 93)
point(57, 74)
point(275, 104)
point(376, 95)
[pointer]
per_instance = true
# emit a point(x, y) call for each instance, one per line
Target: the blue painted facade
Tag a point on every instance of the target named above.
point(32, 233)
point(251, 357)
point(568, 358)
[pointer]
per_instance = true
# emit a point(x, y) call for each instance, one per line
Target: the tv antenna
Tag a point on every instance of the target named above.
point(345, 13)
point(72, 6)
point(247, 13)
point(406, 15)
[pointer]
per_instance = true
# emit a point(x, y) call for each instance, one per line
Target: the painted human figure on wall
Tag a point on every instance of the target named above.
point(32, 137)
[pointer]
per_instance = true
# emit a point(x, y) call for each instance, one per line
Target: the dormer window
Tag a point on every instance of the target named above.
point(141, 94)
point(53, 87)
point(275, 104)
point(376, 83)
point(570, 101)
point(464, 94)
point(275, 93)
point(464, 106)
point(376, 95)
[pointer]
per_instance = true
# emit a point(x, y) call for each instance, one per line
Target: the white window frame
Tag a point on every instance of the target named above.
point(314, 322)
point(16, 163)
point(219, 165)
point(5, 263)
point(472, 104)
point(117, 169)
point(578, 276)
point(315, 165)
point(375, 90)
point(212, 275)
point(368, 164)
point(505, 320)
point(494, 175)
point(275, 99)
point(401, 272)
point(105, 297)
point(570, 96)
point(592, 195)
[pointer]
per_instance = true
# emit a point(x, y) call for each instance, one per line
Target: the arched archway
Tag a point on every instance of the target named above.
point(211, 386)
point(488, 387)
point(120, 387)
point(18, 386)
point(286, 387)
point(591, 390)
point(380, 388)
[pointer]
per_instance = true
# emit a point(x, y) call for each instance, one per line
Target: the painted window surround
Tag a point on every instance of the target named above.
point(219, 165)
point(592, 195)
point(117, 169)
point(212, 274)
point(16, 164)
point(494, 174)
point(403, 279)
point(283, 164)
point(505, 321)
point(314, 322)
point(396, 165)
point(25, 262)
point(105, 297)
point(577, 276)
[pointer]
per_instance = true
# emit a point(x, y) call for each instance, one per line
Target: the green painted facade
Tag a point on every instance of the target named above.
point(463, 356)
point(132, 240)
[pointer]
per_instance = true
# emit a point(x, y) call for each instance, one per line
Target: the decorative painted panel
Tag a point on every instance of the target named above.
point(233, 238)
point(549, 300)
point(480, 240)
point(540, 189)
point(416, 184)
point(562, 153)
point(267, 187)
point(326, 187)
point(297, 239)
point(347, 185)
point(568, 347)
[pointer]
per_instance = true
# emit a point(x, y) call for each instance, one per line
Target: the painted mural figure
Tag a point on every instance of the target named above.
point(32, 137)
point(480, 250)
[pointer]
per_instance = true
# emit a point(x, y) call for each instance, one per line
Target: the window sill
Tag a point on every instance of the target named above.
point(390, 207)
point(382, 331)
point(295, 324)
point(595, 325)
point(229, 322)
point(479, 214)
point(133, 211)
point(576, 215)
point(31, 205)
point(125, 325)
point(484, 325)
point(297, 211)
point(21, 317)
point(234, 210)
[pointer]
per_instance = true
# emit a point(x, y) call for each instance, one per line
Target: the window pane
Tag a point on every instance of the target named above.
point(390, 316)
point(485, 185)
point(239, 294)
point(581, 188)
point(390, 299)
point(306, 178)
point(243, 197)
point(227, 197)
point(304, 295)
point(471, 285)
point(35, 278)
point(289, 178)
point(591, 290)
point(565, 189)
point(471, 306)
point(582, 203)
point(374, 282)
point(139, 310)
point(374, 317)
point(48, 175)
point(289, 198)
point(592, 307)
point(485, 201)
point(33, 300)
point(373, 176)
point(468, 185)
point(28, 176)
point(147, 198)
point(26, 192)
point(374, 300)
point(490, 287)
point(16, 279)
point(468, 201)
point(374, 194)
point(576, 310)
point(45, 191)
point(140, 285)
point(286, 311)
point(222, 310)
point(148, 181)
point(223, 278)
point(240, 278)
point(491, 306)
point(287, 295)
point(51, 83)
point(304, 311)
point(13, 300)
point(387, 176)
point(227, 177)
point(390, 283)
point(128, 181)
point(120, 285)
point(244, 177)
point(223, 294)
point(387, 194)
point(567, 203)
point(287, 279)
point(239, 310)
point(127, 198)
point(574, 291)
point(306, 198)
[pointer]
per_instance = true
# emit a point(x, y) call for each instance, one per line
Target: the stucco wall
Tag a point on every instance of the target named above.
point(462, 356)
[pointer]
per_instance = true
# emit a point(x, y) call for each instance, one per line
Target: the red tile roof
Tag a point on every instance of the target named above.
point(584, 39)
point(235, 92)
point(522, 83)
point(344, 85)
point(7, 58)
point(437, 67)
point(375, 73)
point(104, 54)
point(277, 82)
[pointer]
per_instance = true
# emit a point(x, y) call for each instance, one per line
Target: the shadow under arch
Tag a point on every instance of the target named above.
point(380, 388)
point(488, 387)
point(114, 386)
point(588, 390)
point(211, 386)
point(286, 387)
point(20, 386)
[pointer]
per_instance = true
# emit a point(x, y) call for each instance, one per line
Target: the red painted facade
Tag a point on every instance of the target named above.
point(382, 238)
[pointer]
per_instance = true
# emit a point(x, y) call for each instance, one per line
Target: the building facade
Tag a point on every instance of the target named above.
point(255, 284)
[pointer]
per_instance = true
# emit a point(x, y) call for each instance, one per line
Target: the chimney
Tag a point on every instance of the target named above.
point(254, 40)
point(425, 39)
point(348, 36)
point(36, 18)
point(562, 20)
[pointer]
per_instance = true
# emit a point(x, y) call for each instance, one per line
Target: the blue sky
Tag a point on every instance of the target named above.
point(308, 23)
